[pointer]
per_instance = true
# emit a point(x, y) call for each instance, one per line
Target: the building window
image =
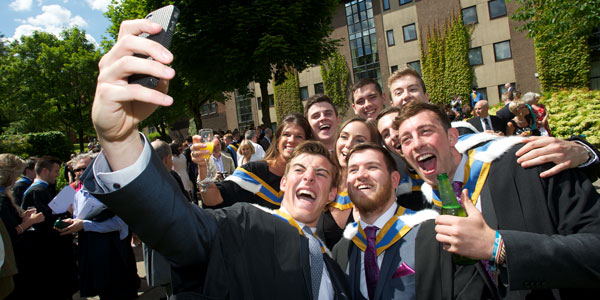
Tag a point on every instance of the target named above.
point(402, 2)
point(394, 68)
point(319, 88)
point(386, 4)
point(416, 65)
point(483, 92)
point(475, 57)
point(502, 50)
point(209, 108)
point(271, 100)
point(304, 93)
point(502, 89)
point(390, 37)
point(410, 32)
point(497, 9)
point(363, 39)
point(469, 15)
point(243, 105)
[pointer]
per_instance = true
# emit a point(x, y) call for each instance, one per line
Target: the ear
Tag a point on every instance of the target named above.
point(354, 108)
point(282, 183)
point(332, 194)
point(453, 136)
point(395, 179)
point(427, 97)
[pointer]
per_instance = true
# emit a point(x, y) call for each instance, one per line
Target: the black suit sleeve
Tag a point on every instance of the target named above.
point(153, 205)
point(566, 258)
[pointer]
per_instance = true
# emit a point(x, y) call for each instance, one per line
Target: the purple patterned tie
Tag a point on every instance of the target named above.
point(371, 267)
point(457, 187)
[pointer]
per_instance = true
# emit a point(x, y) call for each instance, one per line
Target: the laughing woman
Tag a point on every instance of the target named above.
point(340, 212)
point(258, 181)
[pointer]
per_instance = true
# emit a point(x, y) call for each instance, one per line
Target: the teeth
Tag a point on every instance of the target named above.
point(424, 157)
point(325, 127)
point(364, 187)
point(306, 193)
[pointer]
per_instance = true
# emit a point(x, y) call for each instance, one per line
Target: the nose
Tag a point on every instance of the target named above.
point(309, 175)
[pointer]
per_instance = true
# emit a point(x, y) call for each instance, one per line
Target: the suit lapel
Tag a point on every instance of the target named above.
point(391, 258)
point(305, 263)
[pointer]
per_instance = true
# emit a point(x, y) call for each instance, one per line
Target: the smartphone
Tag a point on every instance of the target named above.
point(60, 224)
point(167, 18)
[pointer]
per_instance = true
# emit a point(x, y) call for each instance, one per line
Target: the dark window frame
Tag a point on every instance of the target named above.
point(404, 2)
point(307, 93)
point(322, 88)
point(474, 7)
point(490, 10)
point(509, 48)
point(480, 55)
point(393, 69)
point(409, 64)
point(393, 39)
point(404, 33)
point(384, 2)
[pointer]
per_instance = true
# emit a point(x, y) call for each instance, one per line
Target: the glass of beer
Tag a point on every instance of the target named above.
point(206, 137)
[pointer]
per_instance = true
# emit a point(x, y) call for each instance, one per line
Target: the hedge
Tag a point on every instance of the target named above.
point(574, 112)
point(52, 143)
point(287, 95)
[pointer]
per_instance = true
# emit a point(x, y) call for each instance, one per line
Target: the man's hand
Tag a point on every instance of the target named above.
point(197, 156)
point(119, 106)
point(76, 226)
point(470, 236)
point(540, 150)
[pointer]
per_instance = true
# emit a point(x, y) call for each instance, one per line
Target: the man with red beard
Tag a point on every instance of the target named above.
point(391, 252)
point(539, 233)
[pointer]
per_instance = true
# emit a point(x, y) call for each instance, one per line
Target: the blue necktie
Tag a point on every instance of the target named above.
point(316, 261)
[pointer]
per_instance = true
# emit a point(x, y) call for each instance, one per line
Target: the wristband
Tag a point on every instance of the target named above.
point(22, 230)
point(498, 243)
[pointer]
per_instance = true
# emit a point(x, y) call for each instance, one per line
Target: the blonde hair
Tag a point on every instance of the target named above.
point(247, 144)
point(516, 105)
point(10, 168)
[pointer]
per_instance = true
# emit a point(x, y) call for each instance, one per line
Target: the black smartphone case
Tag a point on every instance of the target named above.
point(167, 17)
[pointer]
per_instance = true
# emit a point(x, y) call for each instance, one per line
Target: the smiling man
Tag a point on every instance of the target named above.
point(406, 85)
point(323, 119)
point(540, 233)
point(367, 98)
point(239, 252)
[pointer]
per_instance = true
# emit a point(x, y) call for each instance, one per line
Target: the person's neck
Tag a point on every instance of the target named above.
point(277, 166)
point(456, 158)
point(372, 216)
point(329, 144)
point(482, 117)
point(217, 155)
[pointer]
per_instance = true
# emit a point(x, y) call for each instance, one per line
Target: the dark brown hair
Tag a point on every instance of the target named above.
point(316, 148)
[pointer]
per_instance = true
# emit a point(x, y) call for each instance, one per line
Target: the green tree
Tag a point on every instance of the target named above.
point(223, 45)
point(49, 83)
point(458, 76)
point(287, 95)
point(560, 30)
point(335, 74)
point(433, 64)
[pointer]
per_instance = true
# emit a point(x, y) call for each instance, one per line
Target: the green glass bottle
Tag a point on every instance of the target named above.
point(450, 206)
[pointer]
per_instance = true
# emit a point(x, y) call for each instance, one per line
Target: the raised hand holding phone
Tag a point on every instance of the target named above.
point(119, 106)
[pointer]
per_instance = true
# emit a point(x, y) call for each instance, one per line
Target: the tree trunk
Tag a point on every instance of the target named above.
point(264, 93)
point(162, 129)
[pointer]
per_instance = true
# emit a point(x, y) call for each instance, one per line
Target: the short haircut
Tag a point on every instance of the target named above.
point(293, 118)
point(506, 96)
point(79, 157)
point(189, 139)
point(316, 148)
point(316, 98)
point(250, 134)
point(408, 71)
point(46, 162)
point(390, 164)
point(161, 148)
point(30, 164)
point(228, 136)
point(528, 97)
point(175, 148)
point(413, 108)
point(364, 82)
point(387, 111)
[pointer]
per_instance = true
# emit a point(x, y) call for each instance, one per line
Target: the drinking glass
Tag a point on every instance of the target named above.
point(206, 137)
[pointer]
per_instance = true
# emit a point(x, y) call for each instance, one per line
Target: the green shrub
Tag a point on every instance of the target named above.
point(153, 136)
point(574, 112)
point(52, 143)
point(287, 95)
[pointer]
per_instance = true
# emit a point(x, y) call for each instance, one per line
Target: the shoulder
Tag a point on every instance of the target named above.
point(259, 166)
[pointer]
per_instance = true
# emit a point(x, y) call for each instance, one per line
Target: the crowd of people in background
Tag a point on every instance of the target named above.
point(365, 188)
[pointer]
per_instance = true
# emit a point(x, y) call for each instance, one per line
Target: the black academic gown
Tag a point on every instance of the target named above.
point(240, 252)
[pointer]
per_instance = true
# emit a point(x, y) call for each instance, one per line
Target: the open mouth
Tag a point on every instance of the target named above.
point(324, 127)
point(427, 162)
point(364, 186)
point(306, 195)
point(369, 112)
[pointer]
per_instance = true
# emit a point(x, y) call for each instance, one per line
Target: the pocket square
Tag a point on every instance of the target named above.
point(403, 270)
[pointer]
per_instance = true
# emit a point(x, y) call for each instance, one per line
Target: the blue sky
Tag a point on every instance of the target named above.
point(22, 17)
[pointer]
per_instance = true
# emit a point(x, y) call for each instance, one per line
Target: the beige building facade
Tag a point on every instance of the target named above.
point(380, 36)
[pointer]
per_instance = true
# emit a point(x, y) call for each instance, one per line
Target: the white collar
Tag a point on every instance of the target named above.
point(386, 216)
